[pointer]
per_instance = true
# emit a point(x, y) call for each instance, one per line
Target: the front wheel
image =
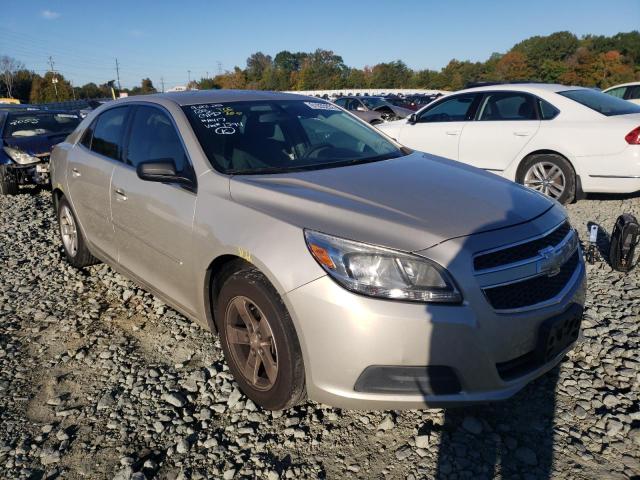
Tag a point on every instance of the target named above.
point(550, 174)
point(259, 341)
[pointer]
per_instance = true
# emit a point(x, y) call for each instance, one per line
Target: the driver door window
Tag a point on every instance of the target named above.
point(153, 138)
point(455, 109)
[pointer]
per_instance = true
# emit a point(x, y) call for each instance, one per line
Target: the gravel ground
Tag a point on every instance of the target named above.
point(98, 379)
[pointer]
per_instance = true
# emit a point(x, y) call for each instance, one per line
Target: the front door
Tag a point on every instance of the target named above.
point(153, 221)
point(438, 128)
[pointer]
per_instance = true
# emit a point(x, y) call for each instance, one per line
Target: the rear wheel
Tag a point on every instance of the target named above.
point(73, 242)
point(8, 181)
point(259, 341)
point(551, 174)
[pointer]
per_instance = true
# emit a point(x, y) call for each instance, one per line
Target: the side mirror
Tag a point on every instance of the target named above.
point(412, 119)
point(162, 170)
point(360, 108)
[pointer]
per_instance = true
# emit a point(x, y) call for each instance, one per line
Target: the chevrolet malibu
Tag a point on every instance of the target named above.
point(334, 263)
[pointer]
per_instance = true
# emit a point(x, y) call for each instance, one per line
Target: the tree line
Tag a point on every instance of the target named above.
point(562, 57)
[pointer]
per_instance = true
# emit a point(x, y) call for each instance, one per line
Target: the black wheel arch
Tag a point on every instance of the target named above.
point(218, 271)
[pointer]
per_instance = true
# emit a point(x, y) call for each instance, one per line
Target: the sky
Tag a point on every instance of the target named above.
point(166, 40)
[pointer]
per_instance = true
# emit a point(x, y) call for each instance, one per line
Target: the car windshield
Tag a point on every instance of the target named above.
point(253, 137)
point(30, 124)
point(601, 102)
point(374, 102)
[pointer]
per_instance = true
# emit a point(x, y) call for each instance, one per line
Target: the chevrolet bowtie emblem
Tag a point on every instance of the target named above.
point(553, 258)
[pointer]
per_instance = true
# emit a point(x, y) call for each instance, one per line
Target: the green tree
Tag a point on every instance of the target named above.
point(557, 46)
point(390, 75)
point(22, 82)
point(51, 88)
point(322, 69)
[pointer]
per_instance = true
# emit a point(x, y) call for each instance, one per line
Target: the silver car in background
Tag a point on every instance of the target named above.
point(333, 263)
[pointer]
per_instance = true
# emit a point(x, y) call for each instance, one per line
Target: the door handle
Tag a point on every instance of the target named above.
point(75, 172)
point(521, 134)
point(120, 193)
point(453, 133)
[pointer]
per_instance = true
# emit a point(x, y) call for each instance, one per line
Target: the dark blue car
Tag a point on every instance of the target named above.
point(27, 139)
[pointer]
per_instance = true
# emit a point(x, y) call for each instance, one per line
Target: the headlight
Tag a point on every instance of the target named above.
point(382, 272)
point(20, 157)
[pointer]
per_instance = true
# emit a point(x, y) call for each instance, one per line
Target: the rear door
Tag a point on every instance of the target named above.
point(505, 123)
point(153, 221)
point(89, 169)
point(438, 128)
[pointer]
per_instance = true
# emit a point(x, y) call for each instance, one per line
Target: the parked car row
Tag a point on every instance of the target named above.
point(342, 264)
point(334, 263)
point(377, 109)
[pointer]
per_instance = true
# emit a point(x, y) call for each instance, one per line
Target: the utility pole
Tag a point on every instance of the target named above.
point(189, 76)
point(207, 74)
point(219, 67)
point(162, 83)
point(118, 74)
point(54, 80)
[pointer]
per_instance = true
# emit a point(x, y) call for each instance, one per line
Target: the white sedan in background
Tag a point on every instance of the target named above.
point(556, 139)
point(626, 91)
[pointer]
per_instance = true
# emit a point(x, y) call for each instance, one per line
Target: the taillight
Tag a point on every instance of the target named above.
point(633, 137)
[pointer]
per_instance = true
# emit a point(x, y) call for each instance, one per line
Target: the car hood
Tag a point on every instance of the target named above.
point(37, 144)
point(408, 203)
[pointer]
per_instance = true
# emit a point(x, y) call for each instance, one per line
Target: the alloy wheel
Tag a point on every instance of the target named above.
point(251, 342)
point(547, 178)
point(68, 231)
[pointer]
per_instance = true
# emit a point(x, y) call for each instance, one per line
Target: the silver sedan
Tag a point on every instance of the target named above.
point(334, 263)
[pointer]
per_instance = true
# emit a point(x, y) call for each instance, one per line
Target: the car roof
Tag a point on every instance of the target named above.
point(628, 84)
point(192, 97)
point(529, 87)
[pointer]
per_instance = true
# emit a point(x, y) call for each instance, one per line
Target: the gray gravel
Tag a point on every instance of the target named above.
point(99, 379)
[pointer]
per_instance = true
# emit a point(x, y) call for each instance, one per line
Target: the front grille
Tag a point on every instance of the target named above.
point(532, 291)
point(521, 252)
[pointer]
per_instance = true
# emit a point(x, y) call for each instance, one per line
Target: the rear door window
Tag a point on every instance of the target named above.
point(108, 133)
point(507, 106)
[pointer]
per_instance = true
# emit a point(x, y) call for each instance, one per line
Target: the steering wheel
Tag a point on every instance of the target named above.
point(317, 148)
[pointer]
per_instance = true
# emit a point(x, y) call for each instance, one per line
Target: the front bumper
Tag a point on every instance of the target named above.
point(342, 334)
point(34, 173)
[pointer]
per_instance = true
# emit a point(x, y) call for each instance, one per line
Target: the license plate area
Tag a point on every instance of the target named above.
point(558, 332)
point(42, 168)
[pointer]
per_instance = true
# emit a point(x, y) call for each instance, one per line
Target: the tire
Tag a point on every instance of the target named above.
point(252, 346)
point(73, 242)
point(550, 174)
point(8, 182)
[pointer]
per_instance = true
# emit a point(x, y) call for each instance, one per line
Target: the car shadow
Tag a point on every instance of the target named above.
point(512, 438)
